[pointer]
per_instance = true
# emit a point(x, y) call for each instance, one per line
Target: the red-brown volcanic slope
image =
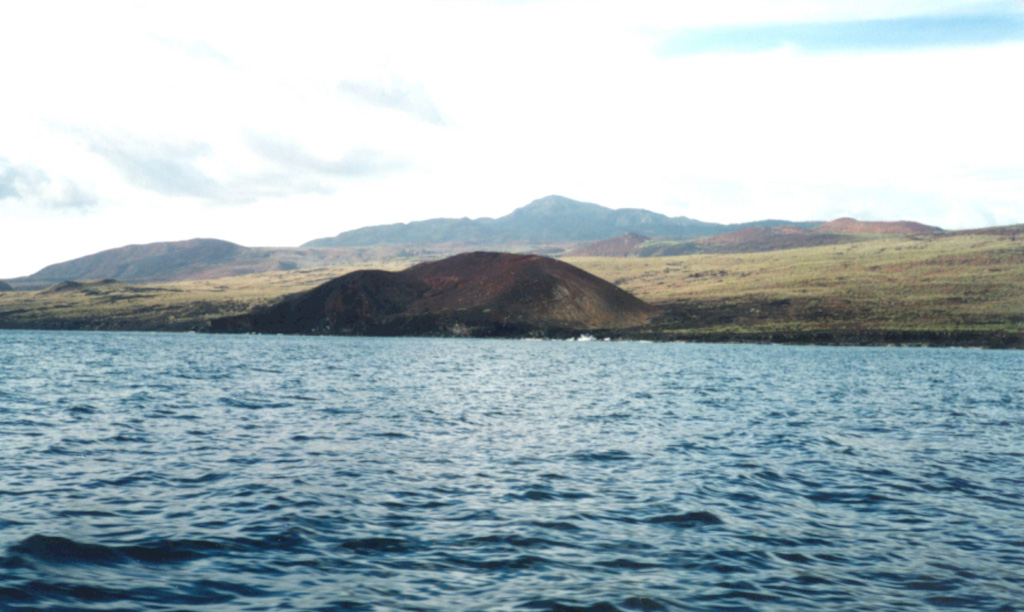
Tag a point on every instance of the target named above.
point(747, 240)
point(483, 294)
point(847, 225)
point(757, 239)
point(1002, 230)
point(620, 246)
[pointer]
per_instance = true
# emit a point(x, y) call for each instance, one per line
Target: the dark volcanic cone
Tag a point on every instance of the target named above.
point(478, 294)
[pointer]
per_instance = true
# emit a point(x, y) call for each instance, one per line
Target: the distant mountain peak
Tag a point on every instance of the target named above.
point(555, 201)
point(548, 220)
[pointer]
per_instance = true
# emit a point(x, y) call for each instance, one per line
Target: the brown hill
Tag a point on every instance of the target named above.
point(199, 258)
point(758, 239)
point(1011, 231)
point(203, 258)
point(847, 225)
point(620, 246)
point(159, 261)
point(755, 239)
point(473, 294)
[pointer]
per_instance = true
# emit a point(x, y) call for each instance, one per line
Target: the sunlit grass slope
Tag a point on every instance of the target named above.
point(185, 305)
point(941, 283)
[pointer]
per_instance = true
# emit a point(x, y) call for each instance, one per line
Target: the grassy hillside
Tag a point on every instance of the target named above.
point(953, 288)
point(200, 259)
point(179, 306)
point(950, 283)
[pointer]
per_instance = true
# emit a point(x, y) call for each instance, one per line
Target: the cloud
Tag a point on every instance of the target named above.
point(8, 178)
point(174, 169)
point(357, 163)
point(163, 167)
point(67, 195)
point(35, 188)
point(198, 50)
point(896, 34)
point(398, 95)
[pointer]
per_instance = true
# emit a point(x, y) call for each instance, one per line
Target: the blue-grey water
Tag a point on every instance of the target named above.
point(194, 472)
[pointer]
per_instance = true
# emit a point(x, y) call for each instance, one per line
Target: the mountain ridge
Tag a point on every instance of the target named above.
point(553, 218)
point(193, 259)
point(553, 225)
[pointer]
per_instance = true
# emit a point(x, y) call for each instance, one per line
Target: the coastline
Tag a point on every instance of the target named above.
point(951, 291)
point(965, 338)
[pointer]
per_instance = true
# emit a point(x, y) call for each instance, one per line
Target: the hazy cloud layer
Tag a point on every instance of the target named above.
point(7, 179)
point(358, 114)
point(358, 163)
point(196, 50)
point(872, 35)
point(397, 95)
point(163, 167)
point(174, 169)
point(34, 188)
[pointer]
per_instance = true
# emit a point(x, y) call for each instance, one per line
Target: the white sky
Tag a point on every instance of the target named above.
point(271, 124)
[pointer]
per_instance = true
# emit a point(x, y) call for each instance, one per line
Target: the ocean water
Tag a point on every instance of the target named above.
point(193, 472)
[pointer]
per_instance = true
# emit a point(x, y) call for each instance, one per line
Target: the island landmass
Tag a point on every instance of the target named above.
point(843, 282)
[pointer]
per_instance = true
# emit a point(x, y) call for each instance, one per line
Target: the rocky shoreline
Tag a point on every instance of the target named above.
point(836, 337)
point(846, 337)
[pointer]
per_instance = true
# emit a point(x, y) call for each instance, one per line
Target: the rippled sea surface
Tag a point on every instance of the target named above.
point(193, 472)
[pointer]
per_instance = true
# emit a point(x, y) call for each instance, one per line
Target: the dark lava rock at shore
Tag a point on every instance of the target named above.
point(473, 294)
